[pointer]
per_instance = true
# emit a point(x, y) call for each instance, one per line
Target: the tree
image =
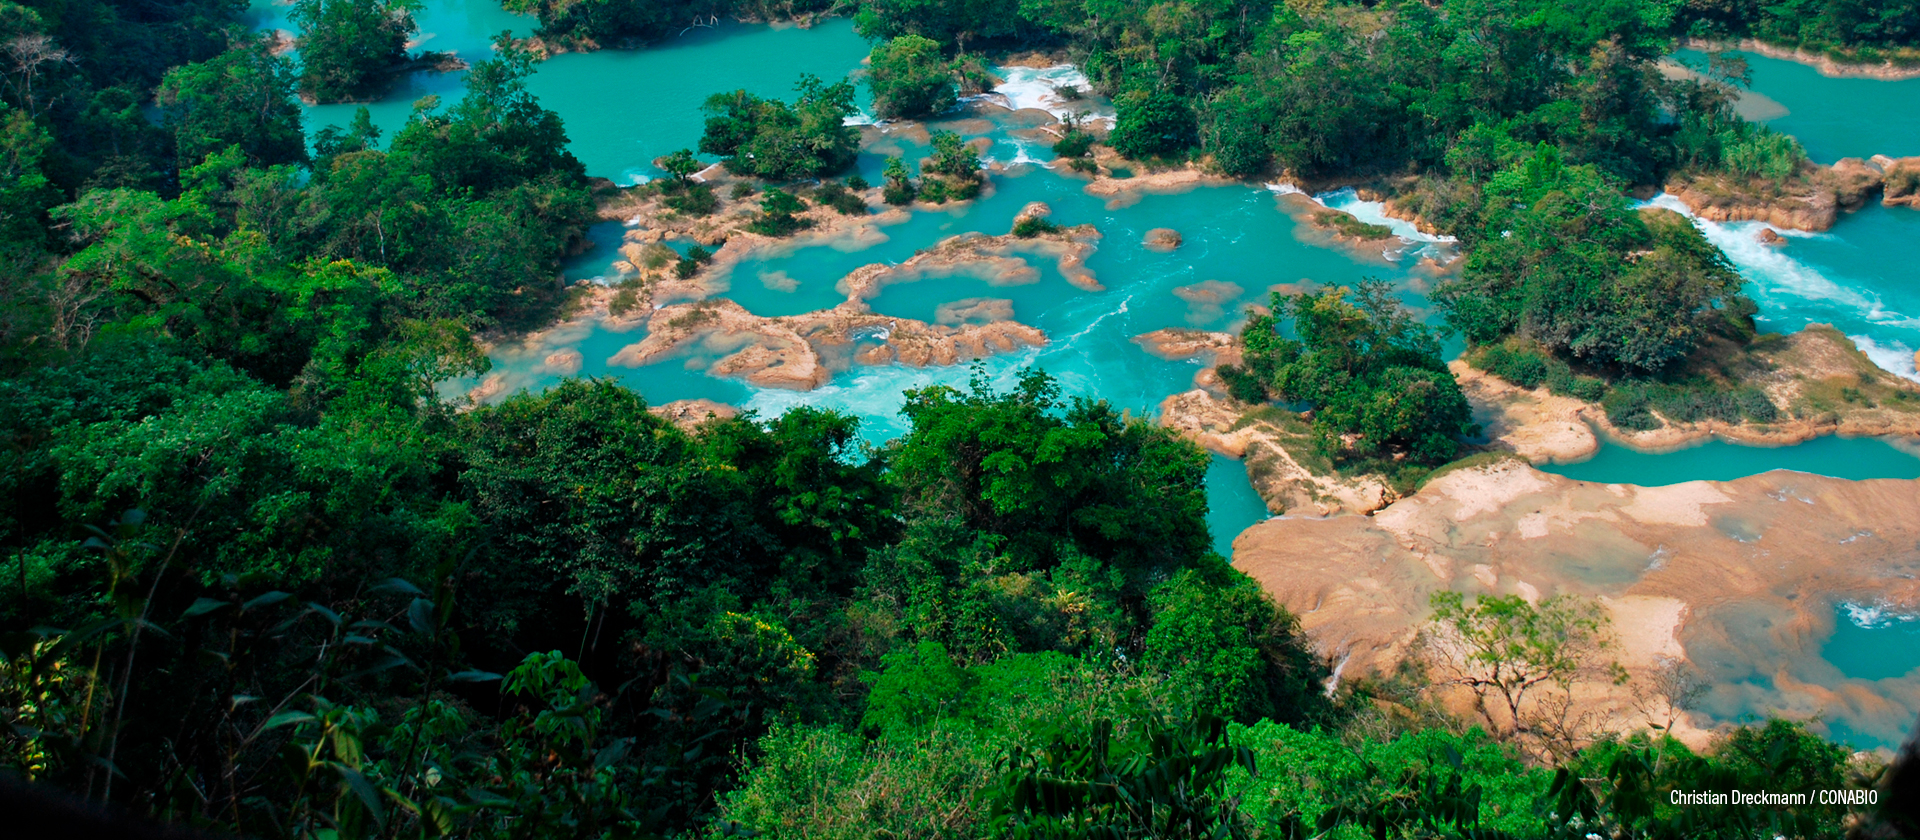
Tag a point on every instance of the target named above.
point(1563, 260)
point(777, 209)
point(681, 165)
point(910, 79)
point(1150, 125)
point(242, 97)
point(1226, 647)
point(1521, 660)
point(1372, 374)
point(898, 188)
point(770, 139)
point(947, 22)
point(349, 48)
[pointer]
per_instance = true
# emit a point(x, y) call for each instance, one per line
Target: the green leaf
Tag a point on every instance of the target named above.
point(286, 719)
point(266, 600)
point(202, 606)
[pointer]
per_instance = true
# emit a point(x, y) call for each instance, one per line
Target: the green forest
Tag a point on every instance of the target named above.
point(263, 579)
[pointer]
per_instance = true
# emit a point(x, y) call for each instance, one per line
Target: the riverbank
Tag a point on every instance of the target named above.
point(1825, 64)
point(1819, 381)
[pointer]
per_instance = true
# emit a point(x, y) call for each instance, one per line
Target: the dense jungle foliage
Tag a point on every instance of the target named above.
point(263, 578)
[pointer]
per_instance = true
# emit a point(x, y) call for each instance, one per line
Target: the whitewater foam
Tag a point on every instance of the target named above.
point(1876, 616)
point(1037, 88)
point(1773, 273)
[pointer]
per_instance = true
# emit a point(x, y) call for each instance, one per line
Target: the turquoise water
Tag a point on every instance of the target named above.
point(1232, 506)
point(1858, 276)
point(1835, 117)
point(622, 108)
point(1872, 644)
point(1839, 457)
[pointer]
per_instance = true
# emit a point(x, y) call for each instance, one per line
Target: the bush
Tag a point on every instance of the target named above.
point(1153, 125)
point(1242, 384)
point(857, 183)
point(689, 265)
point(742, 190)
point(933, 190)
point(1029, 227)
point(1763, 153)
point(1347, 225)
point(899, 188)
point(953, 156)
point(1628, 408)
point(1075, 143)
point(777, 217)
point(910, 78)
point(836, 195)
point(694, 200)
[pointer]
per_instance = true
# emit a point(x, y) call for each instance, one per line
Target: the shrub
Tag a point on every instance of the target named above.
point(1075, 143)
point(836, 195)
point(1347, 225)
point(694, 200)
point(1763, 153)
point(1242, 384)
point(742, 190)
point(1029, 227)
point(857, 183)
point(1153, 125)
point(1627, 408)
point(910, 78)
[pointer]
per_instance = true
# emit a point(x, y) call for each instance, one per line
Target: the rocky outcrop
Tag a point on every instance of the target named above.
point(688, 414)
point(1740, 576)
point(1902, 184)
point(1803, 203)
point(1811, 200)
point(1854, 181)
point(1162, 239)
point(1174, 344)
point(802, 352)
point(1820, 383)
point(1276, 446)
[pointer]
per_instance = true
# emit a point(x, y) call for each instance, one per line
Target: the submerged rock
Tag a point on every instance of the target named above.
point(1163, 239)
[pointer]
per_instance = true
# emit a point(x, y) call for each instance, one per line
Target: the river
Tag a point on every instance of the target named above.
point(624, 108)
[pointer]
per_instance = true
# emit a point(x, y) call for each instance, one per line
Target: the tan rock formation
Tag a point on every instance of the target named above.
point(1211, 348)
point(1162, 239)
point(1275, 445)
point(803, 351)
point(564, 362)
point(690, 413)
point(1534, 424)
point(1741, 576)
point(1769, 236)
point(1805, 203)
point(1819, 381)
point(1902, 185)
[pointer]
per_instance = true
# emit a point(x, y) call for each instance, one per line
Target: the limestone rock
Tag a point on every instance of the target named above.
point(1163, 239)
point(689, 413)
point(1853, 181)
point(1769, 236)
point(1902, 187)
